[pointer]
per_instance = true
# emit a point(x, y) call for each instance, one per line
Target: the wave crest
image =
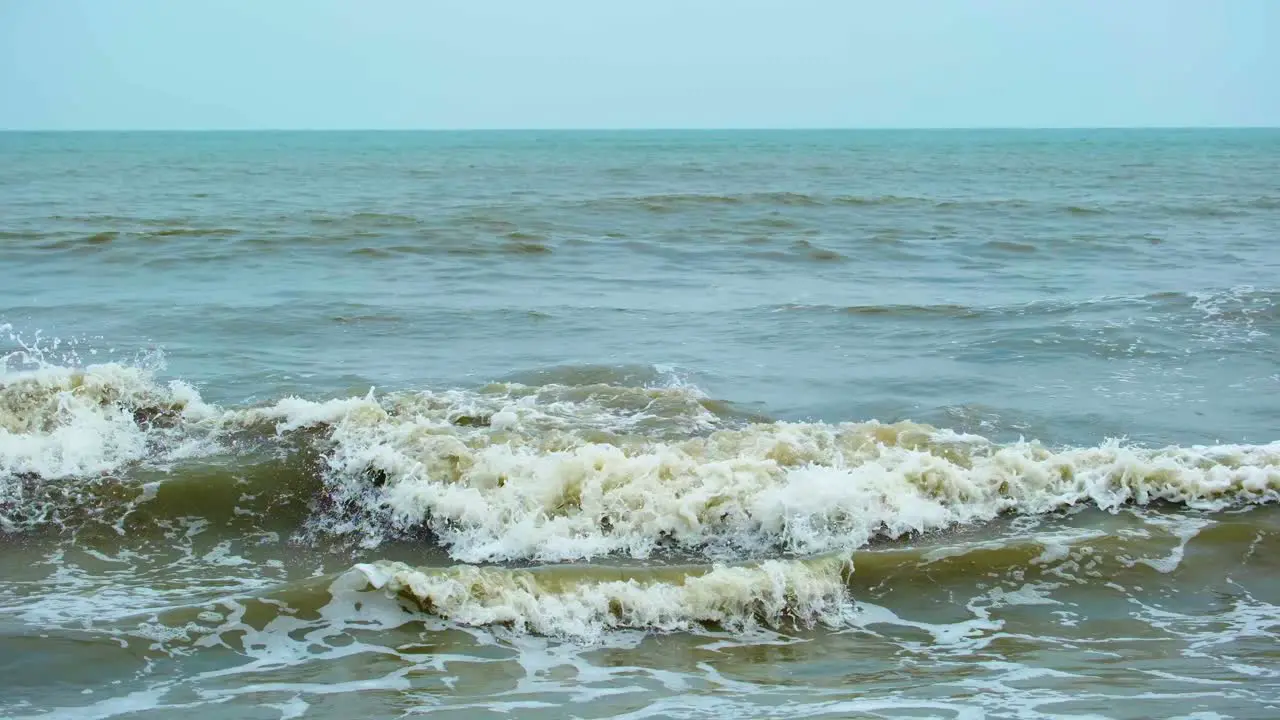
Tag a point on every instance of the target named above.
point(556, 472)
point(61, 423)
point(512, 491)
point(773, 593)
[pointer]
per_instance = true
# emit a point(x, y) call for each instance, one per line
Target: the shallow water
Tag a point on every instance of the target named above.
point(767, 424)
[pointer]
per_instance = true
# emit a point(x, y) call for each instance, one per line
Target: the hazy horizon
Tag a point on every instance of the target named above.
point(662, 64)
point(497, 130)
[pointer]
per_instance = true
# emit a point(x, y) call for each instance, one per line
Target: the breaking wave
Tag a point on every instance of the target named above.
point(524, 489)
point(772, 593)
point(585, 468)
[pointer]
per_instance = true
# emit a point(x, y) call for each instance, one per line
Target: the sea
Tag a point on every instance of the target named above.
point(645, 424)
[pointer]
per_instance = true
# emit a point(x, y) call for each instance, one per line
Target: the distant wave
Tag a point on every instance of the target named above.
point(874, 200)
point(526, 227)
point(892, 311)
point(383, 219)
point(190, 232)
point(480, 216)
point(1242, 303)
point(1010, 246)
point(508, 247)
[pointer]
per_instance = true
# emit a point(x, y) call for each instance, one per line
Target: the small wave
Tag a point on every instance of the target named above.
point(948, 311)
point(771, 222)
point(892, 311)
point(814, 252)
point(373, 252)
point(964, 204)
point(362, 220)
point(586, 602)
point(786, 198)
point(526, 248)
point(1204, 211)
point(600, 375)
point(519, 236)
point(485, 223)
point(996, 203)
point(777, 255)
point(1221, 318)
point(674, 200)
point(774, 593)
point(1236, 316)
point(825, 255)
point(374, 219)
point(191, 232)
point(467, 250)
point(887, 238)
point(367, 318)
point(107, 219)
point(1247, 307)
point(878, 200)
point(671, 203)
point(1009, 246)
point(474, 249)
point(96, 241)
point(100, 239)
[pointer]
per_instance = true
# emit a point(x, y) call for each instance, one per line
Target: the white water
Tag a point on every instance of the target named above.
point(773, 592)
point(516, 473)
point(523, 491)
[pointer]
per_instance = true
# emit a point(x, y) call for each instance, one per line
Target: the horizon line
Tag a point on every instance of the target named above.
point(924, 128)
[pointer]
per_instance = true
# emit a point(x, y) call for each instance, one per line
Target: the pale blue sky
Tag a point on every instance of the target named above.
point(151, 64)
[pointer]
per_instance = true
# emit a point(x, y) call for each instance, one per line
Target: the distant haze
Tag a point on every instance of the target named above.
point(241, 64)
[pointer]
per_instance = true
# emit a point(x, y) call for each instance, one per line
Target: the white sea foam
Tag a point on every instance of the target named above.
point(551, 473)
point(533, 489)
point(774, 592)
point(58, 422)
point(62, 429)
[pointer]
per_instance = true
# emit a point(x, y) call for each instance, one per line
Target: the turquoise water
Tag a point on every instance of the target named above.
point(983, 423)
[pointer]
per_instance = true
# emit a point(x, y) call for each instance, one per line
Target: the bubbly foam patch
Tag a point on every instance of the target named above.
point(512, 472)
point(773, 593)
point(63, 428)
point(676, 411)
point(539, 487)
point(60, 424)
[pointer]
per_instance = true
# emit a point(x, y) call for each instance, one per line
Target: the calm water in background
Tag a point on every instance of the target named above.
point(631, 356)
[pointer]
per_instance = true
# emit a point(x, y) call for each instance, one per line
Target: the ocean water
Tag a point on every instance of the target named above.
point(640, 425)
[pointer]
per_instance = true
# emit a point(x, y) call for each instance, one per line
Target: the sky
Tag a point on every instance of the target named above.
point(473, 64)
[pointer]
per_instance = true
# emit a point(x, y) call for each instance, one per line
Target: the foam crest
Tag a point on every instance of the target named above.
point(61, 422)
point(515, 490)
point(677, 410)
point(514, 472)
point(62, 430)
point(555, 602)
